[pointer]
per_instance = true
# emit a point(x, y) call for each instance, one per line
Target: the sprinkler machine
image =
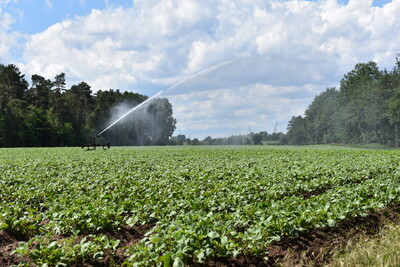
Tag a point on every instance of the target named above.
point(107, 145)
point(94, 144)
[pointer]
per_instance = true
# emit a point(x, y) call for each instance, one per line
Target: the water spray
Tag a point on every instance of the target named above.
point(127, 113)
point(204, 71)
point(107, 145)
point(175, 85)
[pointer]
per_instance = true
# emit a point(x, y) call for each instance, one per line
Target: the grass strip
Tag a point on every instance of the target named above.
point(380, 250)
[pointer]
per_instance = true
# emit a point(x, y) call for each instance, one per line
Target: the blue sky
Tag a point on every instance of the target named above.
point(376, 3)
point(34, 16)
point(231, 63)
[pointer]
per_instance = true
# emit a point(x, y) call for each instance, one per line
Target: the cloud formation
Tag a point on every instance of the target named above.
point(8, 39)
point(275, 55)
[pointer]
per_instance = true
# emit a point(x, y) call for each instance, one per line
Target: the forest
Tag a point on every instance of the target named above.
point(49, 114)
point(365, 109)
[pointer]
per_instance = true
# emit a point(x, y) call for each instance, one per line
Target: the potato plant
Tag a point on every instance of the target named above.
point(204, 202)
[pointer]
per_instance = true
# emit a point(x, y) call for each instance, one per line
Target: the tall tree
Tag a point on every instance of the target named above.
point(298, 132)
point(356, 89)
point(15, 133)
point(320, 117)
point(40, 92)
point(38, 128)
point(392, 83)
point(12, 84)
point(12, 88)
point(59, 88)
point(79, 99)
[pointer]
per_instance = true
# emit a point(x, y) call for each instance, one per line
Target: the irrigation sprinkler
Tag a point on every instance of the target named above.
point(174, 86)
point(95, 144)
point(107, 145)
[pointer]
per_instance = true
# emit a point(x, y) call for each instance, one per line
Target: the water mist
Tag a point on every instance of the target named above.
point(169, 90)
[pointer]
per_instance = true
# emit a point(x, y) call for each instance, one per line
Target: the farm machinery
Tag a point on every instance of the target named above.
point(95, 144)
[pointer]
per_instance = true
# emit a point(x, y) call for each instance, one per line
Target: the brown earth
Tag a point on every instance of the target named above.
point(8, 243)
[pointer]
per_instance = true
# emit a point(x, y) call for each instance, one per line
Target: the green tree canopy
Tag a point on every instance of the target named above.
point(366, 109)
point(49, 114)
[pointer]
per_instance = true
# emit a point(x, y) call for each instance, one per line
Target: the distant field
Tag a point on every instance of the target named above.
point(181, 205)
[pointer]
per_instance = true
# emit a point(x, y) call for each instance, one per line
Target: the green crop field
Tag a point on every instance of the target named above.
point(180, 205)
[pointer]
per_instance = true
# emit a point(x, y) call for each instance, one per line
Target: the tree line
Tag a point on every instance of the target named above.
point(259, 138)
point(46, 113)
point(365, 109)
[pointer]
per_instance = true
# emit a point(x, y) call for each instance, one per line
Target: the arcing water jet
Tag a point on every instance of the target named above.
point(174, 86)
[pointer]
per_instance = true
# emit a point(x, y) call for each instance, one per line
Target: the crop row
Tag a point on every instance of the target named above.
point(204, 202)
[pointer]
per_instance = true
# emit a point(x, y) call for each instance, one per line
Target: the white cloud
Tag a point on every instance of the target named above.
point(130, 42)
point(8, 39)
point(276, 51)
point(4, 2)
point(230, 111)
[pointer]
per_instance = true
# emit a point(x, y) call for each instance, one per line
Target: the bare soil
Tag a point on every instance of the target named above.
point(8, 243)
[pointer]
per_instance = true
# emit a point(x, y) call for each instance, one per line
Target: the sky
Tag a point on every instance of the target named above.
point(226, 66)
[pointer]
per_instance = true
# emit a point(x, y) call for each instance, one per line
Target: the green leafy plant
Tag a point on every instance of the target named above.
point(203, 202)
